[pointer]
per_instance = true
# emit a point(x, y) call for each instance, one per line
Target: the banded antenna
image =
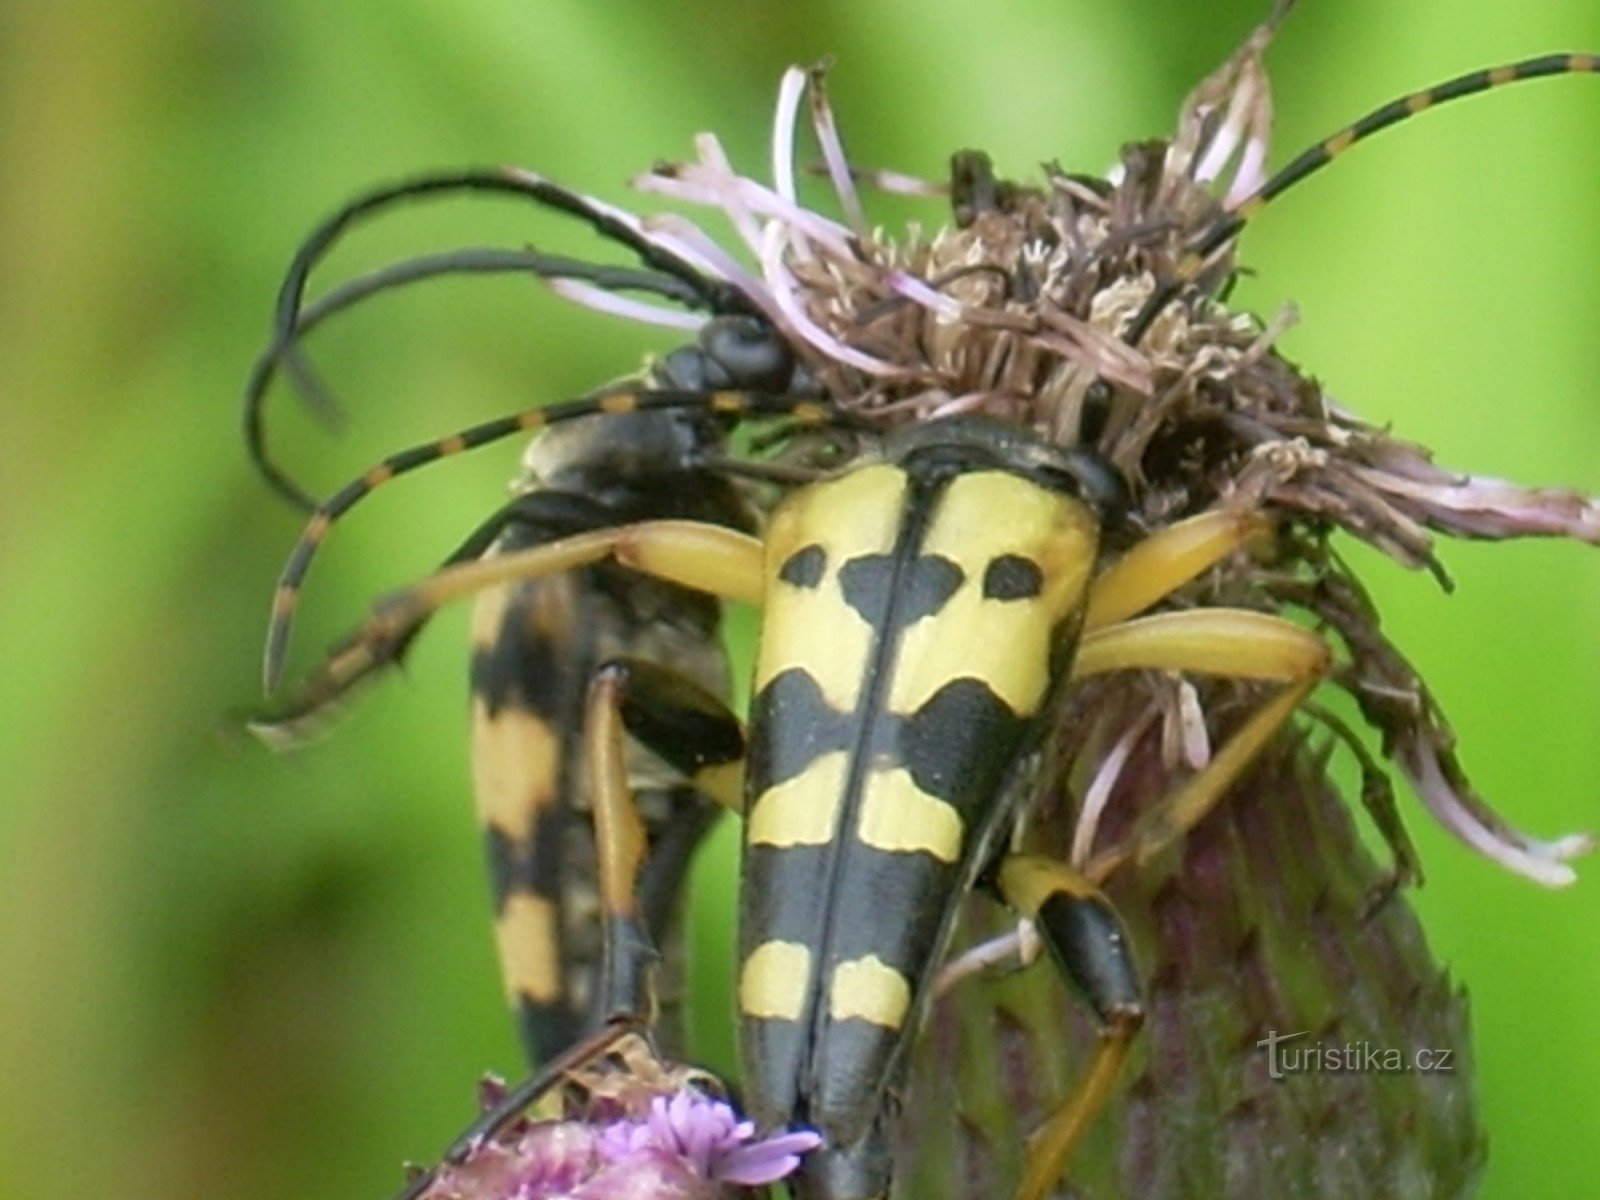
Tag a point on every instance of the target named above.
point(1313, 160)
point(731, 403)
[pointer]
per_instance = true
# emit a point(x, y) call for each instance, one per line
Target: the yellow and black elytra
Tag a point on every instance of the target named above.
point(923, 609)
point(538, 644)
point(923, 614)
point(535, 646)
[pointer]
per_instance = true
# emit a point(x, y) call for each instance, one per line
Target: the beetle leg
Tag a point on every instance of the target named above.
point(1167, 560)
point(1231, 642)
point(696, 735)
point(1086, 938)
point(704, 557)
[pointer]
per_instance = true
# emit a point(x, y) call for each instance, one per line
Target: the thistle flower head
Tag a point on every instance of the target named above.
point(1020, 310)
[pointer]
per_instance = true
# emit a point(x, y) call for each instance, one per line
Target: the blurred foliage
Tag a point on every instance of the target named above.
point(223, 973)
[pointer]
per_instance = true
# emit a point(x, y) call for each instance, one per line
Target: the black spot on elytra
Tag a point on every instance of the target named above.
point(925, 585)
point(960, 743)
point(1012, 577)
point(526, 666)
point(528, 867)
point(799, 725)
point(804, 568)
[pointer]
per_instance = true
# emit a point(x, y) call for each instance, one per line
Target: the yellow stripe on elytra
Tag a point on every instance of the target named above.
point(527, 938)
point(1003, 643)
point(813, 628)
point(869, 989)
point(516, 763)
point(898, 816)
point(774, 980)
point(803, 810)
point(488, 614)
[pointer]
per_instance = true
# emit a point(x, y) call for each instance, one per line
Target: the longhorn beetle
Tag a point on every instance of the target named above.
point(924, 609)
point(536, 645)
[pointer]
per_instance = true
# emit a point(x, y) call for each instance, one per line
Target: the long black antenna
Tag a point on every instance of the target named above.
point(1310, 161)
point(717, 296)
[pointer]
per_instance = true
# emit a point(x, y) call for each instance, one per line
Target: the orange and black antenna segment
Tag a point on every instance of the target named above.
point(734, 404)
point(668, 275)
point(1314, 159)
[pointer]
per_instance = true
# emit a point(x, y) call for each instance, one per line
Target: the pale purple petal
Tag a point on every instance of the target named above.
point(783, 127)
point(1098, 793)
point(715, 160)
point(602, 300)
point(1486, 507)
point(698, 183)
point(1227, 138)
point(1465, 814)
point(785, 293)
point(649, 1175)
point(685, 238)
point(766, 1161)
point(833, 153)
point(956, 405)
point(1251, 173)
point(919, 291)
point(1020, 946)
point(898, 183)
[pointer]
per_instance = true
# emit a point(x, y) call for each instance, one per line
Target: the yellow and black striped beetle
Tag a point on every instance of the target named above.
point(888, 741)
point(536, 646)
point(923, 610)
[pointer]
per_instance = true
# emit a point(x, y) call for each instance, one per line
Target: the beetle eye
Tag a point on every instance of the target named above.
point(751, 353)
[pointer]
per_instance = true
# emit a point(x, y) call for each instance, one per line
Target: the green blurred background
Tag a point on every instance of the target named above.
point(224, 973)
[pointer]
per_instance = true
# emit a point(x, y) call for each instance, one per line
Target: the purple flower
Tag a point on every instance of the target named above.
point(682, 1146)
point(709, 1136)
